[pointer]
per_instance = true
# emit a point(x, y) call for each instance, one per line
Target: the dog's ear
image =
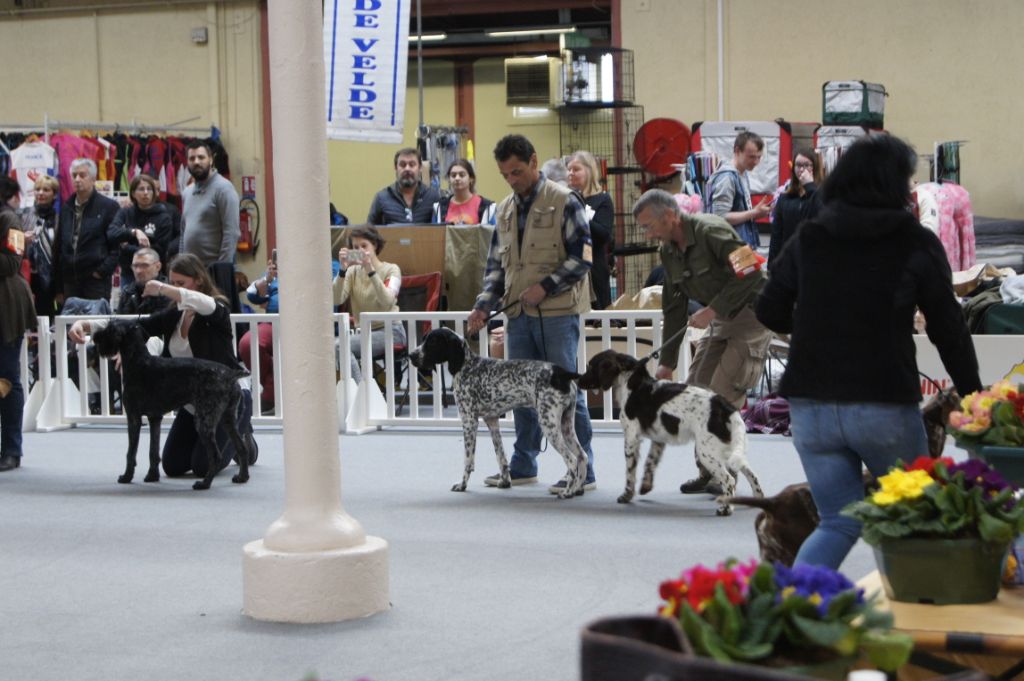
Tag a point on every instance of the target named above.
point(455, 352)
point(607, 371)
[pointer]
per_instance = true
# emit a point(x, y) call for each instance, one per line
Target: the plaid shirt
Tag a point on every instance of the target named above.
point(575, 234)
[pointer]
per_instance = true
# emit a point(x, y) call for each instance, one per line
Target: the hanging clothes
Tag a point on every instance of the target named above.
point(955, 222)
point(29, 162)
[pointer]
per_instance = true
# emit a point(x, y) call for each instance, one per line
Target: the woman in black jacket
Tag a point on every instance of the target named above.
point(799, 202)
point(16, 317)
point(146, 223)
point(585, 178)
point(197, 324)
point(846, 287)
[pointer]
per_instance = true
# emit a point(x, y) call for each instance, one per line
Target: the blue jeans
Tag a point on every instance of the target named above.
point(12, 407)
point(552, 339)
point(834, 440)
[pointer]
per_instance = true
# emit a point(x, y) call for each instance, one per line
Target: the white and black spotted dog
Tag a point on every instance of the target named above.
point(487, 388)
point(672, 413)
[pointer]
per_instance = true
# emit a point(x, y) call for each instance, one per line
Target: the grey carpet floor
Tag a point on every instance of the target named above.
point(106, 582)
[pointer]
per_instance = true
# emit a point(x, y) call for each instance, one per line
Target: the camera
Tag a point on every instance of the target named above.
point(354, 256)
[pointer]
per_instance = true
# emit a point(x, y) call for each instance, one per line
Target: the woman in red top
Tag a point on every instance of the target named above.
point(463, 206)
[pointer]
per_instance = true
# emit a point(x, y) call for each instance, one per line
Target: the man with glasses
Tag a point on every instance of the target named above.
point(695, 252)
point(146, 267)
point(408, 201)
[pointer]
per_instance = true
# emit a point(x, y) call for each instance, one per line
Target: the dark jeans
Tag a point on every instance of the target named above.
point(183, 450)
point(12, 407)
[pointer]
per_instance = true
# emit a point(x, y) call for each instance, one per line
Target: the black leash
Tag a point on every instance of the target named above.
point(657, 351)
point(540, 318)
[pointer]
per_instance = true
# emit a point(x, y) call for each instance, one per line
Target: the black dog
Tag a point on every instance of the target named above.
point(154, 386)
point(486, 388)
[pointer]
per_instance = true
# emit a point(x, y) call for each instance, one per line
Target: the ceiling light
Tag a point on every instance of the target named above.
point(429, 36)
point(531, 31)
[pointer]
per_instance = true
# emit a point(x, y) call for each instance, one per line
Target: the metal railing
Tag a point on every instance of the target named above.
point(391, 394)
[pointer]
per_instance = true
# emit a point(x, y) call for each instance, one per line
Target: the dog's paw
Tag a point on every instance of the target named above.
point(723, 510)
point(567, 494)
point(459, 487)
point(126, 478)
point(646, 487)
point(505, 484)
point(200, 484)
point(152, 476)
point(239, 478)
point(625, 498)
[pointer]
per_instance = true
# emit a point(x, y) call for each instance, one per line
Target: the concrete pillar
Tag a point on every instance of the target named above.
point(315, 563)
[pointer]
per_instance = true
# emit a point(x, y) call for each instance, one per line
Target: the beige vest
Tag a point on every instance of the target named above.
point(543, 250)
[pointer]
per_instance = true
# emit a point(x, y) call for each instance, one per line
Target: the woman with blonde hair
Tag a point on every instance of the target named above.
point(40, 225)
point(585, 178)
point(196, 323)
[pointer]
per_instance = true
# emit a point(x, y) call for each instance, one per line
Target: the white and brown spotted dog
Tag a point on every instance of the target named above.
point(672, 413)
point(487, 388)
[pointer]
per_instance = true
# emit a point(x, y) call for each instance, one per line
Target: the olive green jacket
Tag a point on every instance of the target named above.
point(701, 271)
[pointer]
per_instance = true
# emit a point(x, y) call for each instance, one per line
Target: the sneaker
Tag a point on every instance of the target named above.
point(559, 486)
point(495, 480)
point(695, 486)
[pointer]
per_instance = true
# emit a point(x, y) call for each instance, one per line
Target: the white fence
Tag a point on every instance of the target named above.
point(407, 399)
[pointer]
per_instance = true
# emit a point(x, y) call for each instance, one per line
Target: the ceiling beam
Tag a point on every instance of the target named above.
point(436, 8)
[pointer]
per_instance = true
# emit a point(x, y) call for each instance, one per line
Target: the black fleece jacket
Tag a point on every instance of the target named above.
point(846, 287)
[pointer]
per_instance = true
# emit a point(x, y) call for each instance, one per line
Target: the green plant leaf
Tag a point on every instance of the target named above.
point(825, 634)
point(994, 530)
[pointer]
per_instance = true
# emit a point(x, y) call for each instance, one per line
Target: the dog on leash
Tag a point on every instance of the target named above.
point(486, 388)
point(153, 386)
point(672, 413)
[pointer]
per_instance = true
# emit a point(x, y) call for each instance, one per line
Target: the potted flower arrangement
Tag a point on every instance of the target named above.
point(808, 620)
point(934, 513)
point(990, 425)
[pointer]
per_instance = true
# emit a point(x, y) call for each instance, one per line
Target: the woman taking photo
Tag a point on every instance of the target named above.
point(40, 224)
point(146, 223)
point(584, 177)
point(798, 202)
point(463, 206)
point(196, 324)
point(369, 285)
point(856, 273)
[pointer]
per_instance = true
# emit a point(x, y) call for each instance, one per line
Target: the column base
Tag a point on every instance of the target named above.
point(318, 586)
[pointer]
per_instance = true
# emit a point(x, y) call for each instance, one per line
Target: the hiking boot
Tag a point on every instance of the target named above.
point(495, 480)
point(559, 486)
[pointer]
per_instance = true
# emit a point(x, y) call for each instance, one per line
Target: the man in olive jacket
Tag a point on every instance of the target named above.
point(695, 252)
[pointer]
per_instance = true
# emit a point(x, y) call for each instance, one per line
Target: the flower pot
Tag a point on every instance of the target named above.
point(1009, 461)
point(646, 647)
point(940, 571)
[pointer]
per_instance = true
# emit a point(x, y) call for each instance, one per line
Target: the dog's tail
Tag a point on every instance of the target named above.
point(562, 379)
point(769, 504)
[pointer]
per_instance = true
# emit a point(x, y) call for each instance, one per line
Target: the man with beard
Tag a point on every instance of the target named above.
point(407, 201)
point(209, 218)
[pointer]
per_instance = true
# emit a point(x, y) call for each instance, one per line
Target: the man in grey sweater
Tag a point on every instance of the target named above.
point(209, 217)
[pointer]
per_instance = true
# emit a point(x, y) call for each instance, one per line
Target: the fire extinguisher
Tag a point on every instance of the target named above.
point(249, 226)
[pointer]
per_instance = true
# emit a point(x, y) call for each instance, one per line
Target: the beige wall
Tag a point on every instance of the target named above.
point(950, 66)
point(360, 169)
point(124, 66)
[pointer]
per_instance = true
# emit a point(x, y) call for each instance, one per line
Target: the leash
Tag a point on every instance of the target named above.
point(540, 319)
point(657, 351)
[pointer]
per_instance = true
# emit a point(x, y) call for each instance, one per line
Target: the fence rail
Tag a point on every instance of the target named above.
point(391, 394)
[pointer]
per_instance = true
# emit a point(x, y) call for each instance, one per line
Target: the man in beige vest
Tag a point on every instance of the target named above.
point(539, 262)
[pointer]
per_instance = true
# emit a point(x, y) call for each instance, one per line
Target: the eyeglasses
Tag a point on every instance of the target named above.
point(802, 164)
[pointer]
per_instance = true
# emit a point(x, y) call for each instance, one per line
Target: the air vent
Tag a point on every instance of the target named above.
point(533, 81)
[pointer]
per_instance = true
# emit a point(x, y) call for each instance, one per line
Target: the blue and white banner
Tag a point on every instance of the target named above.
point(366, 55)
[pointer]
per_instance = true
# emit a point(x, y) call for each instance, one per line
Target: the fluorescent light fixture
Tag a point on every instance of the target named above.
point(429, 36)
point(607, 78)
point(531, 31)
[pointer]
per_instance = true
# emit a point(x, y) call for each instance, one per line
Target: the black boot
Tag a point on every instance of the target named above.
point(9, 463)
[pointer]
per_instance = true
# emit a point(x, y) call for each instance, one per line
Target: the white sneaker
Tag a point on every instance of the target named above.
point(495, 480)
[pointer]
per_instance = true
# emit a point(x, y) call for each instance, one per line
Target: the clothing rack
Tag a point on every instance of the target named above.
point(945, 164)
point(700, 165)
point(440, 146)
point(134, 128)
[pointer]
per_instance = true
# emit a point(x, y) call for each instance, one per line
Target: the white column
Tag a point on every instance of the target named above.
point(315, 563)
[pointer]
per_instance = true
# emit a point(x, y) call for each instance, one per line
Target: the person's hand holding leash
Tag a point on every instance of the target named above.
point(476, 321)
point(702, 318)
point(533, 296)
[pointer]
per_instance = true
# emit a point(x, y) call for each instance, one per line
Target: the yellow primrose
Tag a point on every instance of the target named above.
point(979, 424)
point(983, 405)
point(899, 485)
point(1002, 389)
